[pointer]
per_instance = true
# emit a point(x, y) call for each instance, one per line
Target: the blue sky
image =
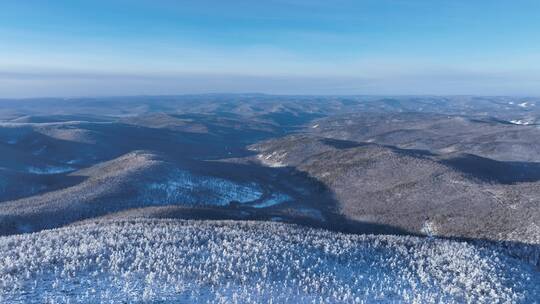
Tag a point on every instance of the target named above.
point(81, 48)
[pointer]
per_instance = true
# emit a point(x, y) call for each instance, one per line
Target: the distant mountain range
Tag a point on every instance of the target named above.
point(455, 166)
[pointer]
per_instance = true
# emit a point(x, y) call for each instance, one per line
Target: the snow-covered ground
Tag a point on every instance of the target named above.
point(169, 261)
point(522, 122)
point(526, 104)
point(274, 160)
point(274, 199)
point(49, 170)
point(183, 187)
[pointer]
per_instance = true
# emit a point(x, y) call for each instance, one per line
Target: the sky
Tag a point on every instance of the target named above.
point(375, 47)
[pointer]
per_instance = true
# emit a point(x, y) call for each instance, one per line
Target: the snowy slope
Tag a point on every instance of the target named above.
point(170, 261)
point(134, 180)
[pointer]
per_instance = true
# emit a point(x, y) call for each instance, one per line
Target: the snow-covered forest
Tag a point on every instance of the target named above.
point(171, 261)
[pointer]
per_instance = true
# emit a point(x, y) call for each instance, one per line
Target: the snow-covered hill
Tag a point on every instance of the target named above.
point(135, 180)
point(451, 195)
point(170, 261)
